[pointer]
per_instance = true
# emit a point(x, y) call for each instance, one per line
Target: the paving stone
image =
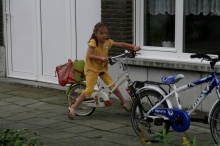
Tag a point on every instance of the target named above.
point(18, 126)
point(108, 126)
point(58, 135)
point(5, 96)
point(91, 122)
point(78, 129)
point(125, 130)
point(82, 141)
point(55, 100)
point(2, 103)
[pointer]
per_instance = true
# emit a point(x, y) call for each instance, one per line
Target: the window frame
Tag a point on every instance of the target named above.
point(162, 53)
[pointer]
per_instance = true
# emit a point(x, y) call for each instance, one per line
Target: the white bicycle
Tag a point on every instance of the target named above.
point(152, 110)
point(99, 98)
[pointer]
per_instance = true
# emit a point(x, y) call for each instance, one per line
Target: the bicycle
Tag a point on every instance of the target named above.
point(152, 110)
point(99, 98)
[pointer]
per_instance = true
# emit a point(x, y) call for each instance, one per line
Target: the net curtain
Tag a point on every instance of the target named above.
point(195, 7)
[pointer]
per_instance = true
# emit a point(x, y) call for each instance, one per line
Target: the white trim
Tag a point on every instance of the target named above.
point(39, 43)
point(139, 9)
point(5, 34)
point(134, 22)
point(35, 39)
point(160, 49)
point(179, 26)
point(73, 30)
point(68, 29)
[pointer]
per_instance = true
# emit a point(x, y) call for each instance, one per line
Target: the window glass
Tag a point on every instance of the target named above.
point(159, 23)
point(201, 26)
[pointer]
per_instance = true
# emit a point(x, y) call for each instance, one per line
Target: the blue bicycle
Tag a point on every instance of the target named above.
point(152, 110)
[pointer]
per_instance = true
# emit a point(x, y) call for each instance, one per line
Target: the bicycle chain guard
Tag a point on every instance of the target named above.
point(97, 99)
point(179, 119)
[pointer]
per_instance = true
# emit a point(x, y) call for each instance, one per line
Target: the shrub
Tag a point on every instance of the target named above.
point(10, 137)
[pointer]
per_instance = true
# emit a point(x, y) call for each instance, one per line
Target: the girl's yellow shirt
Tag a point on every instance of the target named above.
point(93, 66)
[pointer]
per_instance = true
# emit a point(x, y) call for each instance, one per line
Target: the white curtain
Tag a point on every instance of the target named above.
point(195, 7)
point(155, 7)
point(202, 6)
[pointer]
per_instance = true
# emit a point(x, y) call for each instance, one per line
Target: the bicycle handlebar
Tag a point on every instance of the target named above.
point(207, 57)
point(201, 55)
point(128, 53)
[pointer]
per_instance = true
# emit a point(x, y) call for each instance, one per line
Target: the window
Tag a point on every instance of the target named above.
point(159, 23)
point(201, 26)
point(185, 27)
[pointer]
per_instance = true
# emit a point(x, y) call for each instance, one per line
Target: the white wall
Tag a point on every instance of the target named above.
point(85, 22)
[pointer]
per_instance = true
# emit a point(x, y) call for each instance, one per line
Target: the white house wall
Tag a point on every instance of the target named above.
point(86, 17)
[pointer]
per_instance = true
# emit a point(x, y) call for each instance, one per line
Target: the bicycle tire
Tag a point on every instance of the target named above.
point(73, 94)
point(215, 124)
point(139, 124)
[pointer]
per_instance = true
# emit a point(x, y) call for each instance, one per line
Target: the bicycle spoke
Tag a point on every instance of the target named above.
point(144, 126)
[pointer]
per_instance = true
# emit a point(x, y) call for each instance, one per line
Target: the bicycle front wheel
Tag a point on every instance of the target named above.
point(215, 123)
point(74, 93)
point(145, 128)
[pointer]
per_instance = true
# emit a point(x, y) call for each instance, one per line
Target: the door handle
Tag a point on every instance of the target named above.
point(7, 13)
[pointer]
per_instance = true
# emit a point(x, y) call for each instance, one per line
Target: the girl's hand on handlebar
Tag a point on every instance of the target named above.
point(104, 59)
point(136, 48)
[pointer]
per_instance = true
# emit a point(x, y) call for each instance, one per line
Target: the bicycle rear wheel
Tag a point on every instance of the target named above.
point(145, 128)
point(74, 93)
point(215, 123)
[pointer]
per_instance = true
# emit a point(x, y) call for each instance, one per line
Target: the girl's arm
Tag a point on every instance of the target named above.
point(126, 45)
point(92, 56)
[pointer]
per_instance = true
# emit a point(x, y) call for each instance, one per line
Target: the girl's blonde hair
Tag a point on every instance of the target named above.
point(96, 28)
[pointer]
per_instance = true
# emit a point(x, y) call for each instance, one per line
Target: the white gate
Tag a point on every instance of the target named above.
point(42, 34)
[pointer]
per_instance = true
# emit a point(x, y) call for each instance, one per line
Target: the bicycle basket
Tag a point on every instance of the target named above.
point(65, 73)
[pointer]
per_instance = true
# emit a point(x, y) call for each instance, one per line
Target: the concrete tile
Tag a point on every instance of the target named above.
point(108, 126)
point(78, 129)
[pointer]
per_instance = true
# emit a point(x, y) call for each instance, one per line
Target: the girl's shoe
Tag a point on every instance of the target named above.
point(126, 106)
point(71, 113)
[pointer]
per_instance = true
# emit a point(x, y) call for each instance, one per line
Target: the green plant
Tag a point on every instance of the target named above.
point(10, 137)
point(164, 140)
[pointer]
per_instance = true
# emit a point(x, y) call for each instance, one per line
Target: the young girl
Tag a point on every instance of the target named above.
point(95, 65)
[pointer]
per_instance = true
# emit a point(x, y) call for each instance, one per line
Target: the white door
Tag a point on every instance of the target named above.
point(42, 34)
point(21, 38)
point(56, 37)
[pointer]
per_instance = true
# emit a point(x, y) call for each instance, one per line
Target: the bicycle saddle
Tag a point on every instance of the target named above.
point(172, 79)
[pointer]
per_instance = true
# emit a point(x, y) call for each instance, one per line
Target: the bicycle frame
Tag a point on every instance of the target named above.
point(119, 78)
point(100, 97)
point(213, 82)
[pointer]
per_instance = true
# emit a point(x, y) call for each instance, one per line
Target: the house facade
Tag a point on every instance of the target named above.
point(38, 35)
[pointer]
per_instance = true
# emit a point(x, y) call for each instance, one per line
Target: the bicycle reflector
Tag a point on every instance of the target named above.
point(107, 103)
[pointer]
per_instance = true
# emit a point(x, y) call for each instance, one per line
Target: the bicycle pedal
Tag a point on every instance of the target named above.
point(206, 119)
point(158, 121)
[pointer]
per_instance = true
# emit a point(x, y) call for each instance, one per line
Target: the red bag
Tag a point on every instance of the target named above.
point(65, 73)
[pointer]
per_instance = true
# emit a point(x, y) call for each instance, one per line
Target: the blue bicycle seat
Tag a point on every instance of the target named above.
point(172, 79)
